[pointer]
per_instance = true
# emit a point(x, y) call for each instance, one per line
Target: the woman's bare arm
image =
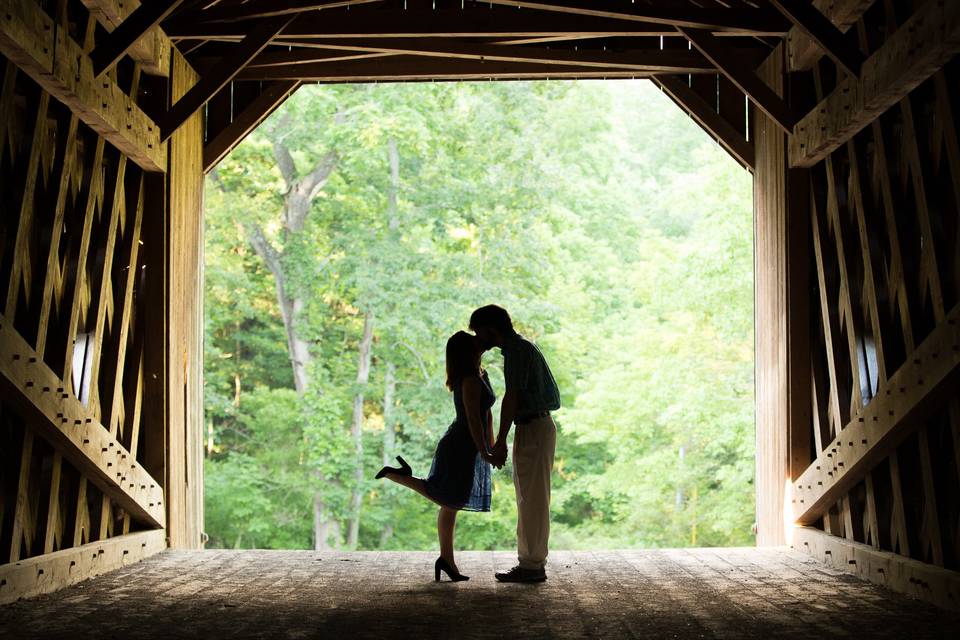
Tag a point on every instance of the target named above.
point(490, 437)
point(471, 403)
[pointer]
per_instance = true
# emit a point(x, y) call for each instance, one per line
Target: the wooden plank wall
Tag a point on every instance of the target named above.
point(99, 255)
point(185, 321)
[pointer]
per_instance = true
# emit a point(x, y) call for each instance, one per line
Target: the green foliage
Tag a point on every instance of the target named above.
point(615, 231)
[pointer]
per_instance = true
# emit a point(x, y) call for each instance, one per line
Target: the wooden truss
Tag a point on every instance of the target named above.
point(883, 209)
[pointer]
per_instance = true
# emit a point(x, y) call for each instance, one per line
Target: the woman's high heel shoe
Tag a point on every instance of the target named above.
point(443, 565)
point(403, 470)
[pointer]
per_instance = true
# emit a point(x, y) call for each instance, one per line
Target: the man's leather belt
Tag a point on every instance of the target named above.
point(530, 417)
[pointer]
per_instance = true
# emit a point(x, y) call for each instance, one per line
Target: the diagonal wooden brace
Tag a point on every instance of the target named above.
point(60, 418)
point(923, 384)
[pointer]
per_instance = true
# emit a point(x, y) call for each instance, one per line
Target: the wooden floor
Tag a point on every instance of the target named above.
point(698, 593)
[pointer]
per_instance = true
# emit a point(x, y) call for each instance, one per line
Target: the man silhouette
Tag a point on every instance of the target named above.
point(531, 394)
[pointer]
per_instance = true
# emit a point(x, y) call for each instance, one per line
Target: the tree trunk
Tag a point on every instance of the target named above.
point(389, 433)
point(299, 195)
point(356, 429)
point(321, 532)
point(297, 348)
point(389, 429)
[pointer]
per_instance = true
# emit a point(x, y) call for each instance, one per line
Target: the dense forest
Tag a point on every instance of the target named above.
point(356, 229)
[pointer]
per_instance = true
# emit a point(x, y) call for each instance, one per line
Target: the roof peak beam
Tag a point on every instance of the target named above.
point(221, 74)
point(824, 33)
point(753, 20)
point(743, 78)
point(138, 24)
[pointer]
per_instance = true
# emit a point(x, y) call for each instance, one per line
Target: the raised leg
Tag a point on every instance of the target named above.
point(417, 484)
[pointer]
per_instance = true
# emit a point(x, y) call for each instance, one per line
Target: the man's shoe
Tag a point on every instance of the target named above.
point(519, 574)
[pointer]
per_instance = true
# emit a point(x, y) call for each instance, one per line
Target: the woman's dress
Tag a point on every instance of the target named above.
point(459, 477)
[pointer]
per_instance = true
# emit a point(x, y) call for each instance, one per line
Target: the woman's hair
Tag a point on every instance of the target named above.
point(462, 358)
point(492, 316)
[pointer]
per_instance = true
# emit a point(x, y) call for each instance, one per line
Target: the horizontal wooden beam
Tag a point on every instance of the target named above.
point(47, 54)
point(444, 23)
point(648, 60)
point(824, 33)
point(921, 385)
point(54, 413)
point(136, 26)
point(265, 9)
point(221, 74)
point(911, 577)
point(755, 21)
point(152, 51)
point(708, 118)
point(742, 76)
point(403, 68)
point(243, 123)
point(802, 50)
point(52, 571)
point(300, 55)
point(921, 46)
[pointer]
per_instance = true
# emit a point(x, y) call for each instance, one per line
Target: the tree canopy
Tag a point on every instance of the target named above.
point(356, 229)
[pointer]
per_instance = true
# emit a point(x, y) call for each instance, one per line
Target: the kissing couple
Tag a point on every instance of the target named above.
point(459, 478)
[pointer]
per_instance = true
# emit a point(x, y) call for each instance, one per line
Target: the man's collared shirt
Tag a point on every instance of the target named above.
point(526, 373)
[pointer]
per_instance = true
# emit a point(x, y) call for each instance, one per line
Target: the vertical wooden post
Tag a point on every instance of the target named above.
point(184, 366)
point(771, 324)
point(799, 416)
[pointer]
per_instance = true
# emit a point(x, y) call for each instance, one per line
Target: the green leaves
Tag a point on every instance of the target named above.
point(617, 234)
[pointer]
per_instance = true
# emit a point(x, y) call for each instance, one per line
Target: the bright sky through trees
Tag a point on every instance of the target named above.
point(356, 229)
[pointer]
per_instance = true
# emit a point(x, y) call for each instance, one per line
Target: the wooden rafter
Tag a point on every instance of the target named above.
point(221, 74)
point(244, 122)
point(443, 23)
point(921, 46)
point(259, 9)
point(402, 68)
point(824, 33)
point(743, 77)
point(69, 426)
point(646, 60)
point(152, 51)
point(754, 21)
point(707, 117)
point(802, 51)
point(136, 26)
point(932, 370)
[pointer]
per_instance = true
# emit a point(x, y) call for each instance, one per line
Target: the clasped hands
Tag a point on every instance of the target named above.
point(497, 456)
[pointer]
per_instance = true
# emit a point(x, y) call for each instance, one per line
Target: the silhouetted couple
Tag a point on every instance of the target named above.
point(459, 478)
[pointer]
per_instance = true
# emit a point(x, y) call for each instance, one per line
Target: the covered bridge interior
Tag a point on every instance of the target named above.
point(111, 111)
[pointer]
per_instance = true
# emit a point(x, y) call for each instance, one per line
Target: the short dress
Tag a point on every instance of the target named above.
point(459, 477)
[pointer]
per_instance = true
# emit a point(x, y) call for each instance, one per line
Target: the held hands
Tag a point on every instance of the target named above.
point(498, 455)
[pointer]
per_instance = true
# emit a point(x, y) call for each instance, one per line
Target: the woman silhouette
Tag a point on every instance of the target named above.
point(459, 478)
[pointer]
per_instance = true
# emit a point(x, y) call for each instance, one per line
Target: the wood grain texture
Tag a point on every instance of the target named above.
point(771, 312)
point(915, 52)
point(184, 300)
point(53, 571)
point(29, 37)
